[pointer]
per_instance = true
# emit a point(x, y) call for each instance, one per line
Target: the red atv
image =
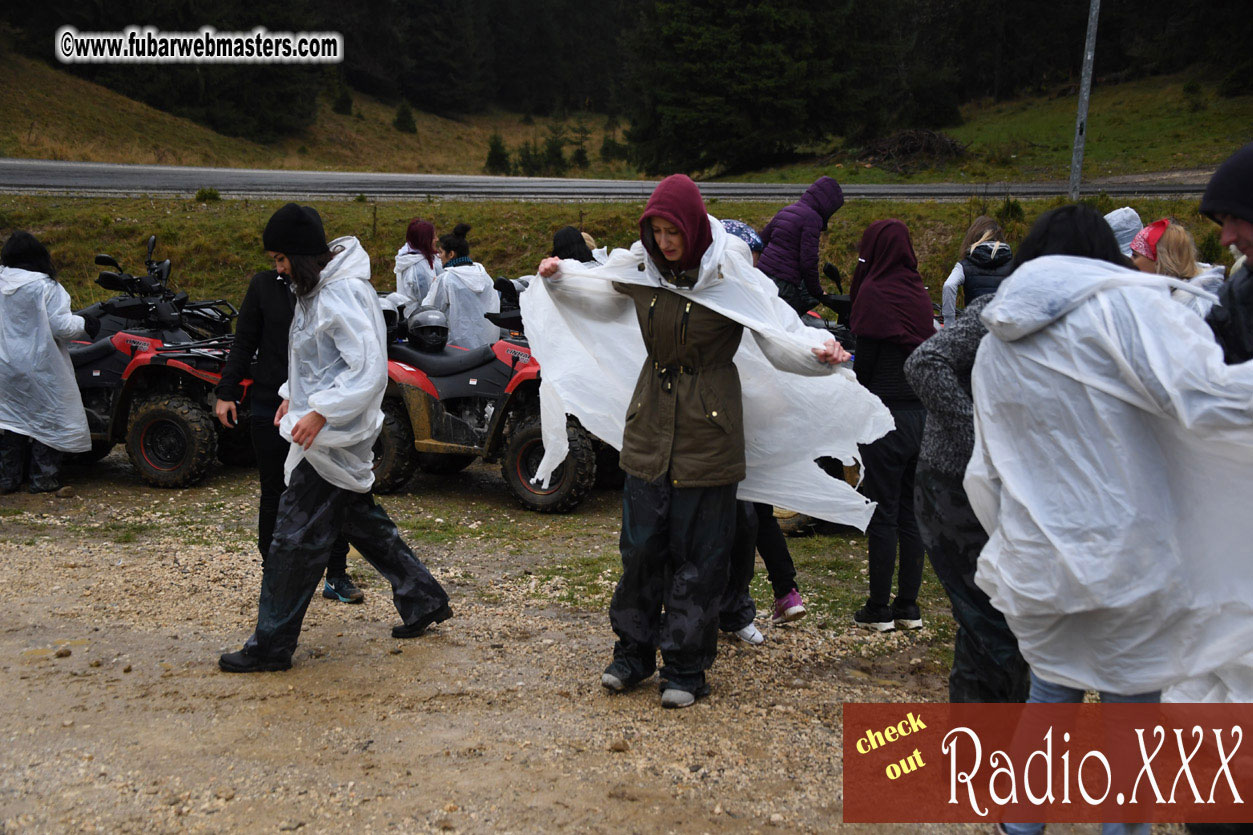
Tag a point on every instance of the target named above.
point(147, 381)
point(443, 410)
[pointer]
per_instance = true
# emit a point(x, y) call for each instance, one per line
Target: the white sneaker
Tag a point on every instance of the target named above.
point(751, 635)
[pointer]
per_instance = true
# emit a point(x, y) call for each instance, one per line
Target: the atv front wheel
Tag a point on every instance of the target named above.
point(394, 456)
point(171, 440)
point(570, 482)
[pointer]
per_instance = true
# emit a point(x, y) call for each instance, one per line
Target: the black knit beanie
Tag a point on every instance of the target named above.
point(295, 230)
point(1230, 190)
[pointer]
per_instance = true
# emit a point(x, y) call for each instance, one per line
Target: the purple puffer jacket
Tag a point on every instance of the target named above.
point(791, 238)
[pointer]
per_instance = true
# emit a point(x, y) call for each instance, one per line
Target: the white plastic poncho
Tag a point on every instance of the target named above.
point(414, 276)
point(587, 339)
point(38, 395)
point(1113, 466)
point(1210, 279)
point(464, 293)
point(337, 367)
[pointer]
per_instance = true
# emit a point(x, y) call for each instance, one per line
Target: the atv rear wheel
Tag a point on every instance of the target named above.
point(394, 456)
point(570, 482)
point(171, 440)
point(437, 463)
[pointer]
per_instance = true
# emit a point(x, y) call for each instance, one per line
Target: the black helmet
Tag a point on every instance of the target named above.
point(428, 330)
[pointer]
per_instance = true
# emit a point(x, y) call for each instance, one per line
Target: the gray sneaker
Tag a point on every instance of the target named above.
point(674, 697)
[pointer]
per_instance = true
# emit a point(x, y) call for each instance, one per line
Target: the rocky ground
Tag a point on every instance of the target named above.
point(116, 718)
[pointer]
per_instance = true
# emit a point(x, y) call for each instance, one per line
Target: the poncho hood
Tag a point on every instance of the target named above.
point(474, 276)
point(888, 297)
point(405, 260)
point(350, 261)
point(825, 197)
point(677, 200)
point(1045, 289)
point(13, 279)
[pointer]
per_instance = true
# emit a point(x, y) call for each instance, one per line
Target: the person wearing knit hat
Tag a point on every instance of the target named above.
point(295, 230)
point(331, 412)
point(646, 352)
point(1228, 201)
point(260, 351)
point(1126, 223)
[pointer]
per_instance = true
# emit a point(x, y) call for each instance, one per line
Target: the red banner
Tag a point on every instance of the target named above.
point(1027, 763)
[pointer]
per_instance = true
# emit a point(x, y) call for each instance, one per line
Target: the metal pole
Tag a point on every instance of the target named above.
point(1085, 87)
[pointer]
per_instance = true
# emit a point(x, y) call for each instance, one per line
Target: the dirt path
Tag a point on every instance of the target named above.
point(117, 720)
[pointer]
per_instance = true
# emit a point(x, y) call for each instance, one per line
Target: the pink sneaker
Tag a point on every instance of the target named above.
point(788, 608)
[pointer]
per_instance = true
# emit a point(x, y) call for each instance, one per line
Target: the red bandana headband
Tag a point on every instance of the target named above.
point(1145, 241)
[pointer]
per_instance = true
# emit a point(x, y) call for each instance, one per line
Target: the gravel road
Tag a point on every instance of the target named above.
point(117, 720)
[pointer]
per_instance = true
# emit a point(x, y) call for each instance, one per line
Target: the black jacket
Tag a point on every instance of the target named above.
point(1232, 318)
point(985, 268)
point(261, 331)
point(880, 367)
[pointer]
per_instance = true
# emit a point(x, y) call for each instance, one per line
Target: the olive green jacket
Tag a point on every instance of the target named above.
point(685, 421)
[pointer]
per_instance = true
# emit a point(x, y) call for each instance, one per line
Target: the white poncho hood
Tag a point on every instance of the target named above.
point(337, 367)
point(414, 276)
point(588, 343)
point(41, 399)
point(1112, 468)
point(464, 293)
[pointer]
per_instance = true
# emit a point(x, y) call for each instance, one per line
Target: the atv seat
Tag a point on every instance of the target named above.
point(451, 361)
point(81, 355)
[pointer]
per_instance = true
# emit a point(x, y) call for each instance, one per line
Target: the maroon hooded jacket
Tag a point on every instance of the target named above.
point(685, 422)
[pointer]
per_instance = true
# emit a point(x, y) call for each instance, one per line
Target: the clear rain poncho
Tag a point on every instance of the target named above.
point(587, 339)
point(337, 367)
point(414, 276)
point(464, 293)
point(1112, 469)
point(38, 395)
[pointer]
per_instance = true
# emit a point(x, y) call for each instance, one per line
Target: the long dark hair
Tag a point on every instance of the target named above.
point(23, 251)
point(568, 243)
point(1070, 230)
point(306, 269)
point(421, 238)
point(455, 242)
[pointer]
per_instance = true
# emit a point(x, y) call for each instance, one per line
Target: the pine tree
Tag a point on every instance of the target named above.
point(404, 119)
point(497, 156)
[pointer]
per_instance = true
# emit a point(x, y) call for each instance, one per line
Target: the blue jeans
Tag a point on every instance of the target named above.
point(1048, 693)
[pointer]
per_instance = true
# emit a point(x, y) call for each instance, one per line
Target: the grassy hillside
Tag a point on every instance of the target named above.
point(1157, 124)
point(49, 114)
point(216, 246)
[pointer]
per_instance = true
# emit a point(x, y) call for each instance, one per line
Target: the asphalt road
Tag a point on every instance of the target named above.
point(106, 179)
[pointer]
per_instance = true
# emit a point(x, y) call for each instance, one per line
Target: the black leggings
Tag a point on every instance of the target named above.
point(889, 465)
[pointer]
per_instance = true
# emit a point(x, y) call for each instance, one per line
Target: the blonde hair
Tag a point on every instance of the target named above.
point(1176, 253)
point(589, 240)
point(982, 230)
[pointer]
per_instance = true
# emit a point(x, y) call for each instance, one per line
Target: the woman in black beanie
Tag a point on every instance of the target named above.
point(331, 412)
point(260, 351)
